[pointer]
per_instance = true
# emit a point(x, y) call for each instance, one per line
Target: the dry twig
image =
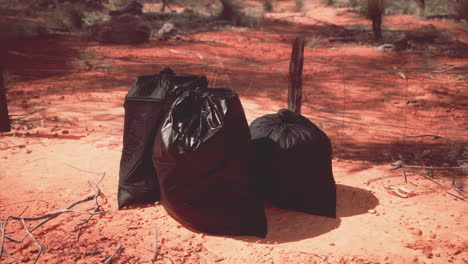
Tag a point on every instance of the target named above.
point(28, 114)
point(156, 250)
point(438, 183)
point(46, 218)
point(378, 178)
point(109, 259)
point(449, 139)
point(404, 175)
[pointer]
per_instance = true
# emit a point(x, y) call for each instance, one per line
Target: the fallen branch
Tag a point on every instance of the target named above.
point(434, 168)
point(379, 178)
point(456, 188)
point(441, 70)
point(449, 139)
point(46, 218)
point(441, 186)
point(27, 114)
point(41, 248)
point(397, 165)
point(316, 255)
point(76, 168)
point(109, 259)
point(156, 250)
point(404, 175)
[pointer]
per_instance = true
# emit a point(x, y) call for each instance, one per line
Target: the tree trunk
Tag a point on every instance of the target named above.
point(4, 119)
point(377, 27)
point(421, 8)
point(375, 10)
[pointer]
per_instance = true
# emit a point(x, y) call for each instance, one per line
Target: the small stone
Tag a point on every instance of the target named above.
point(372, 211)
point(65, 132)
point(433, 236)
point(332, 244)
point(437, 254)
point(415, 259)
point(417, 232)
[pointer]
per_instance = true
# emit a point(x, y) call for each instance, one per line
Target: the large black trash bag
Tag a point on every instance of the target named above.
point(201, 157)
point(291, 158)
point(145, 105)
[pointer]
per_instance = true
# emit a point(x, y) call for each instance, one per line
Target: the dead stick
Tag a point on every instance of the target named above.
point(434, 168)
point(404, 175)
point(317, 255)
point(459, 190)
point(456, 188)
point(34, 239)
point(378, 178)
point(156, 250)
point(28, 114)
point(3, 235)
point(109, 259)
point(451, 67)
point(438, 183)
point(97, 192)
point(50, 216)
point(295, 75)
point(449, 139)
point(76, 168)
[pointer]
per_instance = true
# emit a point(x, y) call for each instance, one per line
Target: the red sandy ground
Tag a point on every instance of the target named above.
point(348, 91)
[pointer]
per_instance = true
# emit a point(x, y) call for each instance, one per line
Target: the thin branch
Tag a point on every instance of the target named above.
point(397, 165)
point(3, 235)
point(383, 177)
point(27, 114)
point(451, 67)
point(34, 239)
point(76, 168)
point(438, 183)
point(156, 250)
point(457, 188)
point(317, 255)
point(434, 168)
point(109, 259)
point(47, 217)
point(449, 139)
point(404, 175)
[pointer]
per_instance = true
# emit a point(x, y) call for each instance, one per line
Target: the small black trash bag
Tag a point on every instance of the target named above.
point(201, 157)
point(145, 106)
point(291, 159)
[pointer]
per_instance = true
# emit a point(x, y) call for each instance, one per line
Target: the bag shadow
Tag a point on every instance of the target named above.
point(287, 226)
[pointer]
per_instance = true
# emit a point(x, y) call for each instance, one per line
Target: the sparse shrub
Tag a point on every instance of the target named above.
point(313, 43)
point(68, 16)
point(353, 3)
point(299, 6)
point(233, 13)
point(268, 5)
point(375, 10)
point(421, 11)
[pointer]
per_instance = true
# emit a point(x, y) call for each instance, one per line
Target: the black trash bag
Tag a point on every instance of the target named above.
point(201, 157)
point(145, 105)
point(291, 159)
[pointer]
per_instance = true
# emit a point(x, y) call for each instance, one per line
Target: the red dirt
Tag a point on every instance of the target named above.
point(358, 95)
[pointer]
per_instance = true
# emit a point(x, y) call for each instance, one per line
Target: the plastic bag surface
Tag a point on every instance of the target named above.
point(201, 160)
point(145, 105)
point(291, 159)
